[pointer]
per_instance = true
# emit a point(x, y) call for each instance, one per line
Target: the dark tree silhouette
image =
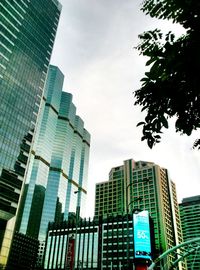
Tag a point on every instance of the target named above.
point(172, 85)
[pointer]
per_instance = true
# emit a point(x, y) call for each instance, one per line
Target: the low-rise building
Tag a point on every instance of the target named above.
point(112, 242)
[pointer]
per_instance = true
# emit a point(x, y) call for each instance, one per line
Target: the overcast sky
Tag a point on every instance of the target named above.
point(94, 49)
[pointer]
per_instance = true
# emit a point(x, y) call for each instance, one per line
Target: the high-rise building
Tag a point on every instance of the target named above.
point(190, 221)
point(28, 30)
point(144, 186)
point(57, 180)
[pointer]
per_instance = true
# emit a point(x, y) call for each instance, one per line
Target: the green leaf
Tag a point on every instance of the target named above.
point(164, 121)
point(140, 123)
point(171, 85)
point(150, 61)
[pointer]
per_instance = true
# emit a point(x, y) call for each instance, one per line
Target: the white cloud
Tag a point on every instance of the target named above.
point(94, 49)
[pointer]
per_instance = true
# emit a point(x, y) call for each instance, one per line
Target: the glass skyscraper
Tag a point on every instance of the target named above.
point(143, 185)
point(28, 30)
point(57, 180)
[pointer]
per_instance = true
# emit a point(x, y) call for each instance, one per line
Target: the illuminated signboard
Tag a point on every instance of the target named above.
point(142, 242)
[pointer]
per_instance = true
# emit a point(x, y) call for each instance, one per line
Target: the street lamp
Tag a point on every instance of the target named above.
point(77, 207)
point(133, 201)
point(136, 199)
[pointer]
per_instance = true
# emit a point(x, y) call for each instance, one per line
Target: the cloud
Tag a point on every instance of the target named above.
point(95, 50)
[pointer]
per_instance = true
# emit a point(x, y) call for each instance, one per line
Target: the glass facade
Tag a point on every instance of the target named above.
point(190, 221)
point(56, 181)
point(28, 30)
point(145, 186)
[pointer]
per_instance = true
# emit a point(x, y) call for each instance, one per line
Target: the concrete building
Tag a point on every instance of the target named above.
point(146, 186)
point(190, 221)
point(104, 243)
point(57, 179)
point(28, 30)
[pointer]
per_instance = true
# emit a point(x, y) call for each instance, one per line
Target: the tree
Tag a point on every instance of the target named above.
point(171, 87)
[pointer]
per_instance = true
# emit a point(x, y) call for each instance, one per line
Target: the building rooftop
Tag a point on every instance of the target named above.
point(191, 199)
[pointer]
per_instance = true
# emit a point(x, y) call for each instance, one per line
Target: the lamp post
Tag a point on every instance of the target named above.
point(136, 199)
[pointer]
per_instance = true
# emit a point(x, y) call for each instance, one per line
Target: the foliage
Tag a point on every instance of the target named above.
point(171, 87)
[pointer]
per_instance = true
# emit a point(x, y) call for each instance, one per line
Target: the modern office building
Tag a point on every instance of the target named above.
point(28, 30)
point(145, 186)
point(104, 243)
point(190, 221)
point(56, 184)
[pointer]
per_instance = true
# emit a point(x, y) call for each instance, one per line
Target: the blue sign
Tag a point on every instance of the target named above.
point(142, 241)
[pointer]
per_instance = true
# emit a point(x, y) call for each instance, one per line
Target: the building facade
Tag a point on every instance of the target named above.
point(28, 32)
point(190, 220)
point(145, 186)
point(104, 243)
point(24, 252)
point(57, 180)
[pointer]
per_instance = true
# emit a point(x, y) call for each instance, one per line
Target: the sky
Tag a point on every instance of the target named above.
point(95, 50)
